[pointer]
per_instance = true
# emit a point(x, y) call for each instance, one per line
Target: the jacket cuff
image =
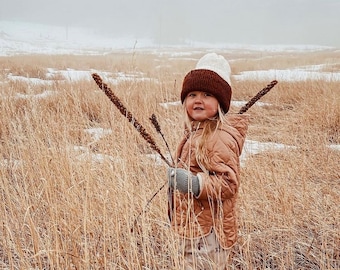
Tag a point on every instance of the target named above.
point(201, 183)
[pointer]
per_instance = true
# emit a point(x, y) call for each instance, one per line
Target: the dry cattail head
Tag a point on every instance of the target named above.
point(155, 123)
point(257, 97)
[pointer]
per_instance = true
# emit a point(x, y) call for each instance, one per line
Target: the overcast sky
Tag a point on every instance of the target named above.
point(314, 22)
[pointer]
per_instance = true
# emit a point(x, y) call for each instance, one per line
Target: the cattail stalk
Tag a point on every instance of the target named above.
point(157, 126)
point(123, 110)
point(257, 97)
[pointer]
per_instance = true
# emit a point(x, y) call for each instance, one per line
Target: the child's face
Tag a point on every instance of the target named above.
point(201, 105)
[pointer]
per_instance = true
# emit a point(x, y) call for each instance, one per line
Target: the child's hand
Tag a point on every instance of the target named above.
point(183, 180)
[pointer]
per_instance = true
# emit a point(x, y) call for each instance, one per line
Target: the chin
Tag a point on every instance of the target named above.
point(200, 119)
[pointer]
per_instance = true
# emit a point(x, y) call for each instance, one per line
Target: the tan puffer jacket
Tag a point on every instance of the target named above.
point(214, 207)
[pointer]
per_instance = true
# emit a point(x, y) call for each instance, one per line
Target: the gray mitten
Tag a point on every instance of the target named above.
point(183, 180)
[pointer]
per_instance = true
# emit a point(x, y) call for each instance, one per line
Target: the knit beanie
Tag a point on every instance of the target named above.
point(211, 75)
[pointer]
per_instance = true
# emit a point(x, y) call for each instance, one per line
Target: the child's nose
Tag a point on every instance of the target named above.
point(198, 98)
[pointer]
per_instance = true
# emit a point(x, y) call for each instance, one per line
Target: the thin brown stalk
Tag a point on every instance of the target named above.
point(146, 205)
point(123, 110)
point(257, 97)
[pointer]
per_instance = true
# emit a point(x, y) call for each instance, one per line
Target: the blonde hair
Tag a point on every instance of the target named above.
point(209, 128)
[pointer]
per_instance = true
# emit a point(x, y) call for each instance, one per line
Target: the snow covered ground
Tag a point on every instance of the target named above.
point(28, 38)
point(31, 38)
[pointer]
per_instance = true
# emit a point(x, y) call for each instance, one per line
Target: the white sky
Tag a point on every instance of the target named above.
point(171, 21)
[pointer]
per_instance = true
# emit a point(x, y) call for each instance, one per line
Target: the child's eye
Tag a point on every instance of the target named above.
point(191, 95)
point(208, 94)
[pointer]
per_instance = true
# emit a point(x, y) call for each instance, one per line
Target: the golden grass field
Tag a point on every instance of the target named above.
point(63, 209)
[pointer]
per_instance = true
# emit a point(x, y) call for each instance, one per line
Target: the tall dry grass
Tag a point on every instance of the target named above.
point(69, 201)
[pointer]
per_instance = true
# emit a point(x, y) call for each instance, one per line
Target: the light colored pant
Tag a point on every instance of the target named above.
point(205, 254)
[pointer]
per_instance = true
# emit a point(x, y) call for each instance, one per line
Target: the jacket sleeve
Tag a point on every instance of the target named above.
point(222, 182)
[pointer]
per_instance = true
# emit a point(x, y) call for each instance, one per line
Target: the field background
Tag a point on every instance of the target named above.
point(69, 198)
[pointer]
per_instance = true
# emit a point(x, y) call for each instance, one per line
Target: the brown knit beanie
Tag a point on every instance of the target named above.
point(212, 75)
